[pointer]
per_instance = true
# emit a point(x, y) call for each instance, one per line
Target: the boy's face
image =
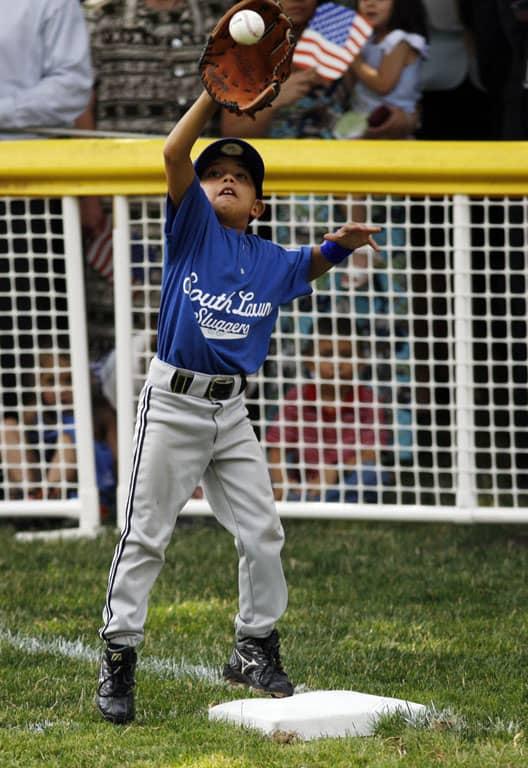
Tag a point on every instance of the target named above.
point(231, 191)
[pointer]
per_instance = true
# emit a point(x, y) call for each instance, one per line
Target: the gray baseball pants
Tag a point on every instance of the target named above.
point(180, 441)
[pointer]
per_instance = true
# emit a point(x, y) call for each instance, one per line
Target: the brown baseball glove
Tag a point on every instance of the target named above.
point(246, 78)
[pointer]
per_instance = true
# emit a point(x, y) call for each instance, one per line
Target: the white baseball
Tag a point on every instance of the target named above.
point(246, 27)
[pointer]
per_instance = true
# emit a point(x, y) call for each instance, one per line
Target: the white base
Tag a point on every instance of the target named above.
point(314, 715)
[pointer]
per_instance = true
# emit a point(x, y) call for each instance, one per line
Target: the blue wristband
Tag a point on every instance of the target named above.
point(333, 252)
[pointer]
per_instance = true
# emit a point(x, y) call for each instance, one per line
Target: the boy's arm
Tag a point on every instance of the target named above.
point(348, 237)
point(180, 141)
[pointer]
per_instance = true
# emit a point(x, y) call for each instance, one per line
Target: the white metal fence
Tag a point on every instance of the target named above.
point(423, 413)
point(46, 443)
point(397, 390)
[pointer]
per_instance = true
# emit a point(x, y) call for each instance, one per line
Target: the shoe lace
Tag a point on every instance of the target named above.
point(121, 677)
point(265, 664)
point(272, 650)
point(257, 652)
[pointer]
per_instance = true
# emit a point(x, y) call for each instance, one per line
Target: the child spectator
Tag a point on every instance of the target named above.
point(330, 426)
point(387, 69)
point(40, 444)
point(39, 454)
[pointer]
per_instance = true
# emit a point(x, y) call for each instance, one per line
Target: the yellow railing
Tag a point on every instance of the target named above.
point(135, 166)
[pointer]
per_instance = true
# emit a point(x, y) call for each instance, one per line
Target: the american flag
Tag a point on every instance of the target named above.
point(99, 254)
point(331, 41)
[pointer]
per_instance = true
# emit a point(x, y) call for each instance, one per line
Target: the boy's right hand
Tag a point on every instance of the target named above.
point(354, 235)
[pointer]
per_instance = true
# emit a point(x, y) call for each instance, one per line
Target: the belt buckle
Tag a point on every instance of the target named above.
point(181, 382)
point(220, 388)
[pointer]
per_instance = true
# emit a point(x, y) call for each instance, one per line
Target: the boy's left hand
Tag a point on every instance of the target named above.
point(246, 78)
point(353, 235)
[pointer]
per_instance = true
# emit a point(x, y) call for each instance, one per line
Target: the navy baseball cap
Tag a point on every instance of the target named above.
point(237, 149)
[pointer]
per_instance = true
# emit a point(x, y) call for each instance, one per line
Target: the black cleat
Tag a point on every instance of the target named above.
point(115, 692)
point(256, 662)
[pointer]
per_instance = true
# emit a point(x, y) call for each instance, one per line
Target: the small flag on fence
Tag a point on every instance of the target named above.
point(99, 253)
point(331, 41)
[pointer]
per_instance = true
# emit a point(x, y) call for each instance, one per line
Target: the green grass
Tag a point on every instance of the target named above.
point(431, 613)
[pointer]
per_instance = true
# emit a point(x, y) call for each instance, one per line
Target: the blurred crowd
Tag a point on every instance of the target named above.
point(431, 70)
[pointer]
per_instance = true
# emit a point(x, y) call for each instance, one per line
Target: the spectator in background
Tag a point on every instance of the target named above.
point(330, 427)
point(145, 55)
point(308, 106)
point(388, 74)
point(45, 82)
point(45, 70)
point(40, 443)
point(387, 69)
point(454, 104)
point(39, 456)
point(499, 30)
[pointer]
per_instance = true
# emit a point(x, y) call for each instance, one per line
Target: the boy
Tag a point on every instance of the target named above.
point(221, 291)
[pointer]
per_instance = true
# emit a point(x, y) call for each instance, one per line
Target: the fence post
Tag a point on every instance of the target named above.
point(465, 492)
point(123, 340)
point(88, 493)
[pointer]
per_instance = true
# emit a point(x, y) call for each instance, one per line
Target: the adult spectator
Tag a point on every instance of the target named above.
point(454, 104)
point(499, 30)
point(145, 55)
point(45, 81)
point(45, 70)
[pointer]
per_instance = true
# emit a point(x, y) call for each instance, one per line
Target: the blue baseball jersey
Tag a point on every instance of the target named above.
point(221, 290)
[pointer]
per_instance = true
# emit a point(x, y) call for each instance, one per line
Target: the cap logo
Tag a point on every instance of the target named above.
point(232, 149)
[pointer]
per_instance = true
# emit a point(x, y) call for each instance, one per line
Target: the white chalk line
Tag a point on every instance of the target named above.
point(166, 668)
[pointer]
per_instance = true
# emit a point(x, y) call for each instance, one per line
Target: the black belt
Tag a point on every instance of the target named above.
point(219, 387)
